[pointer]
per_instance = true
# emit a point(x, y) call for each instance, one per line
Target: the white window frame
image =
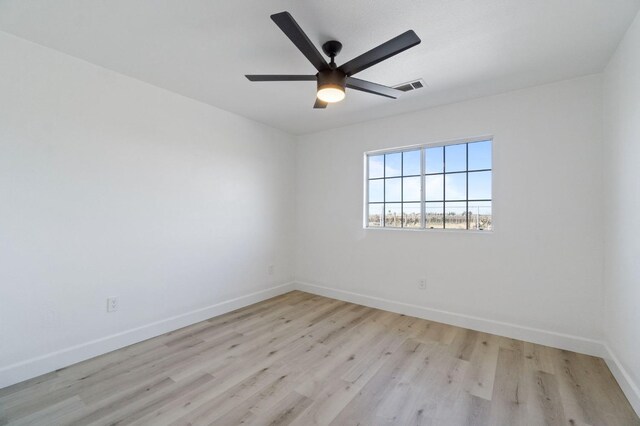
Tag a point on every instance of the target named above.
point(423, 147)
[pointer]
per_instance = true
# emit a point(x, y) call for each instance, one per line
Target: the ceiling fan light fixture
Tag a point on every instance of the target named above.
point(331, 84)
point(331, 93)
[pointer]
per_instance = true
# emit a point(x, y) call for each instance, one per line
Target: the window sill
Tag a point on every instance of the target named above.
point(435, 230)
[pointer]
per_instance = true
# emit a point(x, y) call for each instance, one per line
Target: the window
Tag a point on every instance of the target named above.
point(431, 187)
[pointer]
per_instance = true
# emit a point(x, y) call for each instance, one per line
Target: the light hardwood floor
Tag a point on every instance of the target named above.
point(301, 359)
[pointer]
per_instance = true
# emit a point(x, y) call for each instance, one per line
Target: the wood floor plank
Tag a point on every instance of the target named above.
point(364, 408)
point(508, 402)
point(544, 400)
point(59, 413)
point(210, 405)
point(174, 396)
point(284, 412)
point(482, 367)
point(538, 357)
point(305, 360)
point(124, 399)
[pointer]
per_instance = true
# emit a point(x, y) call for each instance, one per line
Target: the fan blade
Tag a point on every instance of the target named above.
point(280, 77)
point(376, 89)
point(320, 104)
point(290, 27)
point(378, 54)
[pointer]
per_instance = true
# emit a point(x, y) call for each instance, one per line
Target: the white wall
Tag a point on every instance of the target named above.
point(622, 201)
point(112, 187)
point(542, 266)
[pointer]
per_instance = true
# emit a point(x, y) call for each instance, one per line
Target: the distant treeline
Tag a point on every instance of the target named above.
point(412, 220)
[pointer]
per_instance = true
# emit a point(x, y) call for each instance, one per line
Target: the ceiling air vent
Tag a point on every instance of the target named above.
point(412, 85)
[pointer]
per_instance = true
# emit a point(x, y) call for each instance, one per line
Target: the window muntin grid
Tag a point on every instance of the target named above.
point(453, 181)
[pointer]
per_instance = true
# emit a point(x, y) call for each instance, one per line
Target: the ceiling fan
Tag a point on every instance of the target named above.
point(332, 79)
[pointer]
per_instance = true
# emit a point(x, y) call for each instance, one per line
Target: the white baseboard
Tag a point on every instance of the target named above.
point(514, 331)
point(34, 367)
point(628, 386)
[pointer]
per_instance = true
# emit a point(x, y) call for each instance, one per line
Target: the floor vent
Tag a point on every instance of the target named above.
point(412, 85)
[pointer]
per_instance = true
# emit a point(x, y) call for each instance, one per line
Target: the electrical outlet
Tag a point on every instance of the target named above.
point(112, 304)
point(271, 269)
point(422, 283)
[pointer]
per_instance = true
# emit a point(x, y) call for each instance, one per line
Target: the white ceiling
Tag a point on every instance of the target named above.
point(202, 49)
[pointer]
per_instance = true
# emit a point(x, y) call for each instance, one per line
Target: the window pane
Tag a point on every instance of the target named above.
point(392, 217)
point(479, 185)
point(455, 158)
point(454, 174)
point(455, 215)
point(392, 189)
point(376, 190)
point(433, 215)
point(393, 164)
point(411, 163)
point(480, 155)
point(411, 189)
point(411, 215)
point(480, 215)
point(376, 166)
point(455, 186)
point(434, 188)
point(433, 160)
point(375, 215)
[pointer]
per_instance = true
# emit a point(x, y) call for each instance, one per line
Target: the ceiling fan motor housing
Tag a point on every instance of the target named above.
point(332, 78)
